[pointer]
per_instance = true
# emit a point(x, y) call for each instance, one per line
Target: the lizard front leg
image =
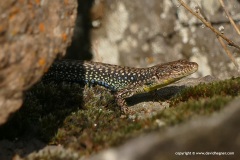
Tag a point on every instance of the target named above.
point(120, 99)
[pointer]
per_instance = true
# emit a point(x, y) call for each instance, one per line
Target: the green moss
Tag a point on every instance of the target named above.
point(55, 114)
point(192, 108)
point(92, 130)
point(95, 125)
point(230, 87)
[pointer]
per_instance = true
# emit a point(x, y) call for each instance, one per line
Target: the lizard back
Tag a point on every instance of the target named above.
point(110, 76)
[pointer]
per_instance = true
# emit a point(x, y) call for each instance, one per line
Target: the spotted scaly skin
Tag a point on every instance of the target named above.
point(123, 81)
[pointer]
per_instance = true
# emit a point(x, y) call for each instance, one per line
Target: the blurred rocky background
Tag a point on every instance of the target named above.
point(142, 33)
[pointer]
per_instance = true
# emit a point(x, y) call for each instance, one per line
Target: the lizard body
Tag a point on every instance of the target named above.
point(124, 81)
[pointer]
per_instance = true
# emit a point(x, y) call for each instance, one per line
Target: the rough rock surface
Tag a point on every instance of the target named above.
point(32, 34)
point(218, 133)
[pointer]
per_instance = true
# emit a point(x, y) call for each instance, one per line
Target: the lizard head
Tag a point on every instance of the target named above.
point(173, 71)
point(168, 73)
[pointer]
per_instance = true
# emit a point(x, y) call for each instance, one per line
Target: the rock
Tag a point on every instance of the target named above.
point(32, 34)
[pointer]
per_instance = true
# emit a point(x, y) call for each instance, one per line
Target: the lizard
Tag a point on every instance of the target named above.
point(123, 81)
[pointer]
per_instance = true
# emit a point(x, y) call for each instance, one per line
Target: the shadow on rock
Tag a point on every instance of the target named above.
point(160, 95)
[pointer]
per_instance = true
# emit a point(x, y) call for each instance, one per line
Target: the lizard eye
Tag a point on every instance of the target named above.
point(175, 67)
